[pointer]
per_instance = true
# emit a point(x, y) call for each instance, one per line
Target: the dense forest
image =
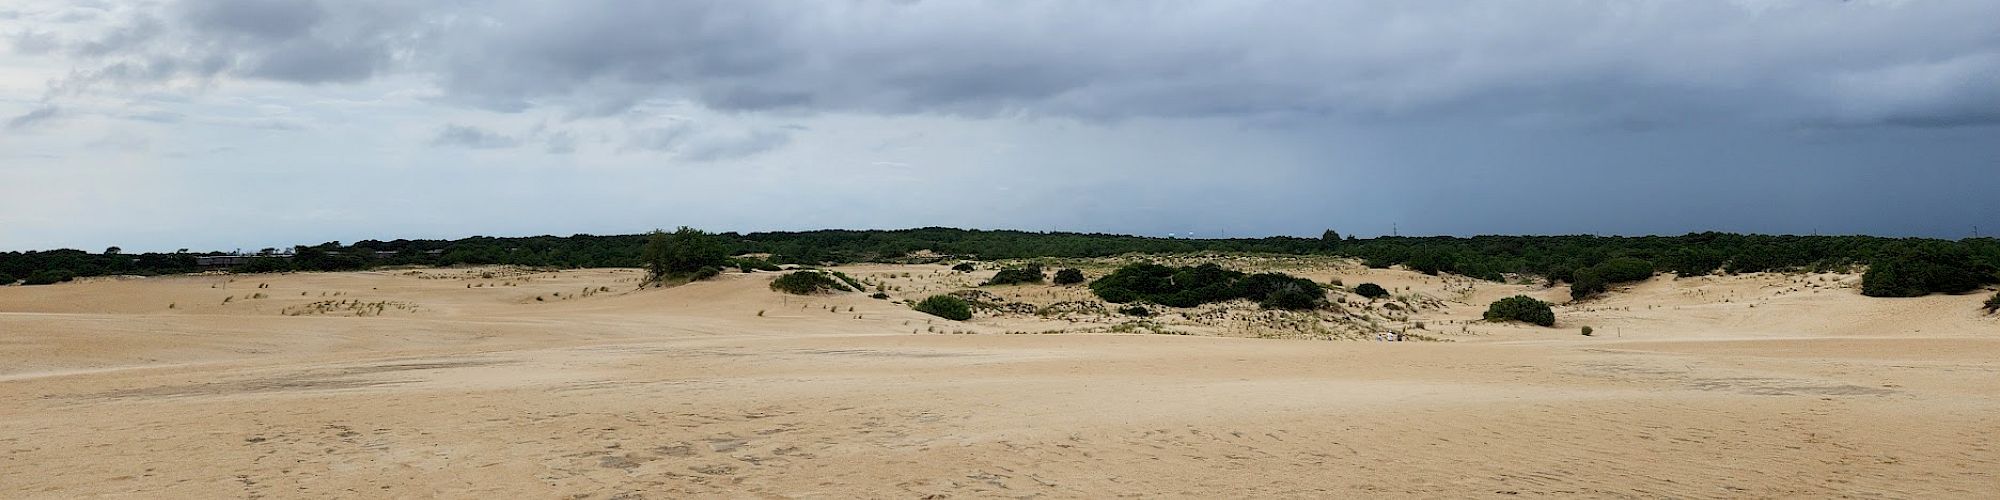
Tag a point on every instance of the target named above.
point(1919, 265)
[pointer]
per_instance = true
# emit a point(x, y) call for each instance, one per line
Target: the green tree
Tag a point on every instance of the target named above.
point(683, 253)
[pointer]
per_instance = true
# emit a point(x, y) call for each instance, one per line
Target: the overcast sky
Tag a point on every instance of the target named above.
point(222, 124)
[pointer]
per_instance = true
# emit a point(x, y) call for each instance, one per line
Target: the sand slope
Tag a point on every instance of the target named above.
point(413, 384)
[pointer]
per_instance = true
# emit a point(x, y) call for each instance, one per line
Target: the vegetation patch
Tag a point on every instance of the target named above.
point(849, 280)
point(945, 306)
point(1371, 291)
point(1206, 283)
point(1069, 276)
point(1993, 304)
point(1521, 308)
point(1923, 269)
point(1032, 273)
point(807, 282)
point(964, 267)
point(48, 277)
point(748, 264)
point(1596, 279)
point(686, 253)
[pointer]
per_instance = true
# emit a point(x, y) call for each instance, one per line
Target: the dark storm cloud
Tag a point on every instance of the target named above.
point(1789, 62)
point(300, 41)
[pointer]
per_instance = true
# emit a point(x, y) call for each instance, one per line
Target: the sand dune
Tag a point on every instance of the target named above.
point(486, 382)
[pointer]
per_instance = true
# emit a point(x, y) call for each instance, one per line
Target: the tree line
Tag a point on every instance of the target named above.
point(1558, 259)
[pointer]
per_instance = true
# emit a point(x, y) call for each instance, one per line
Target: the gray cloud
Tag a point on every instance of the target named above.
point(1250, 117)
point(689, 141)
point(466, 136)
point(33, 118)
point(262, 19)
point(735, 145)
point(1787, 61)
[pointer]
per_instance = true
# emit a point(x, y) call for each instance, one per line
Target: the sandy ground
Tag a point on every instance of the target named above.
point(489, 382)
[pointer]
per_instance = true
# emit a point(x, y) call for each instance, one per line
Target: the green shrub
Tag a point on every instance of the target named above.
point(1030, 274)
point(964, 267)
point(1521, 308)
point(747, 264)
point(1596, 279)
point(1431, 262)
point(265, 265)
point(1281, 291)
point(1625, 269)
point(1069, 276)
point(6, 279)
point(1993, 304)
point(1371, 290)
point(1294, 296)
point(1135, 310)
point(806, 283)
point(706, 273)
point(1587, 331)
point(1924, 269)
point(849, 280)
point(1206, 283)
point(48, 277)
point(879, 296)
point(945, 306)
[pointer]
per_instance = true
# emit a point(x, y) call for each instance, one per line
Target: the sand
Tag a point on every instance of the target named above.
point(462, 384)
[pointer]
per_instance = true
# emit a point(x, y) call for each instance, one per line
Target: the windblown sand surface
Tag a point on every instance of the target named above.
point(451, 383)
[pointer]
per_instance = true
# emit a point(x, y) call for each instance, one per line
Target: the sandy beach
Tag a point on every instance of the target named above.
point(477, 383)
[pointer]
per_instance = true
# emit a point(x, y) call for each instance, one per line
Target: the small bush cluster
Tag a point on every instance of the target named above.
point(6, 279)
point(1993, 304)
point(1924, 269)
point(849, 280)
point(1596, 279)
point(1032, 273)
point(747, 264)
point(705, 272)
point(48, 277)
point(1206, 283)
point(266, 265)
point(945, 306)
point(964, 267)
point(1521, 308)
point(1371, 290)
point(1069, 276)
point(1135, 310)
point(807, 283)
